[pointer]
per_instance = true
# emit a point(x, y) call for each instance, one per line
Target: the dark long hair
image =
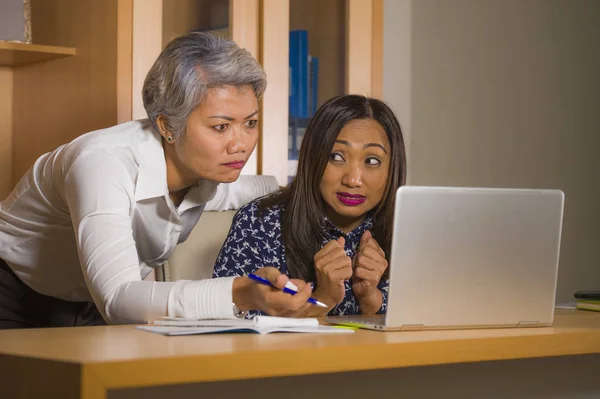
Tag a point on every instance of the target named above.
point(302, 219)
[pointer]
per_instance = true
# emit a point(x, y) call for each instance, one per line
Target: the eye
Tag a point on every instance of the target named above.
point(372, 161)
point(252, 123)
point(336, 157)
point(221, 128)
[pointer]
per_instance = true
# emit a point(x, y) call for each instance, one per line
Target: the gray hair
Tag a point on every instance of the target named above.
point(187, 68)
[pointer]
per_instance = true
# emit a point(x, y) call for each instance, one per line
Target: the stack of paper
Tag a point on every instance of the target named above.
point(257, 324)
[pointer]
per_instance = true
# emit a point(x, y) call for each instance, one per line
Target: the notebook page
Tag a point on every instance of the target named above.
point(272, 321)
point(256, 321)
point(180, 331)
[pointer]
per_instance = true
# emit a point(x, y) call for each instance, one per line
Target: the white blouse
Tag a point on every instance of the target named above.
point(92, 218)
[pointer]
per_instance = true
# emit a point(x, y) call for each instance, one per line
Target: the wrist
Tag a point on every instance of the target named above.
point(242, 294)
point(371, 302)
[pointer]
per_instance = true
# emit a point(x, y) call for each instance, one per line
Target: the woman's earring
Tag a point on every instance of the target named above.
point(169, 138)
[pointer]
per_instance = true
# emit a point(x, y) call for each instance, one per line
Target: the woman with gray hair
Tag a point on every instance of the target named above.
point(91, 219)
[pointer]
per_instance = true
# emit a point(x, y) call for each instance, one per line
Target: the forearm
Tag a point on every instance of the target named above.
point(134, 302)
point(143, 301)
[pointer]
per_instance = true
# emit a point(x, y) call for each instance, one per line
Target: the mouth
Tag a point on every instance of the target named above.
point(235, 164)
point(349, 199)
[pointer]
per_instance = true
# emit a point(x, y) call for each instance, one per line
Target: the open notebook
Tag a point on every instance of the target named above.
point(257, 324)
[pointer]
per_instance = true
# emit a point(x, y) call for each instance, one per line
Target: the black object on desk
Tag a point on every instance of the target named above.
point(587, 295)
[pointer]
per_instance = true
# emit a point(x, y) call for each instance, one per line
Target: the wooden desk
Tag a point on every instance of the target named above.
point(88, 362)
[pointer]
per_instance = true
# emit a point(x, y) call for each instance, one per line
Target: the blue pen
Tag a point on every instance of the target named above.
point(287, 290)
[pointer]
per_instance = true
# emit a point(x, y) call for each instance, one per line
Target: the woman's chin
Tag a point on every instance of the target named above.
point(227, 177)
point(351, 212)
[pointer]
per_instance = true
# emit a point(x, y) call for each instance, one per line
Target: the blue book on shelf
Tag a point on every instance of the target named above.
point(313, 85)
point(298, 74)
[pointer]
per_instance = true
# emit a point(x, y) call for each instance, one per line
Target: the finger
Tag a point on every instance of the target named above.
point(341, 274)
point(342, 241)
point(371, 243)
point(335, 255)
point(283, 302)
point(366, 235)
point(340, 262)
point(275, 277)
point(330, 246)
point(299, 300)
point(374, 255)
point(287, 283)
point(370, 264)
point(362, 273)
point(298, 283)
point(378, 248)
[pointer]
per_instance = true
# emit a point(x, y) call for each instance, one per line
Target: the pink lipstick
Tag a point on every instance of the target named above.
point(350, 199)
point(235, 165)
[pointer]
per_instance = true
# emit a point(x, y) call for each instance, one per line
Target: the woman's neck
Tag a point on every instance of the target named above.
point(179, 177)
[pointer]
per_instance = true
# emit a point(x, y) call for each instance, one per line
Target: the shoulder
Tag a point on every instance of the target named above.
point(253, 216)
point(126, 134)
point(254, 210)
point(117, 143)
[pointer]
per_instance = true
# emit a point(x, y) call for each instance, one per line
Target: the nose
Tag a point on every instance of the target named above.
point(353, 176)
point(237, 142)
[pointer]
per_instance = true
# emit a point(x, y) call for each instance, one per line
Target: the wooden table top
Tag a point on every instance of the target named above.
point(124, 356)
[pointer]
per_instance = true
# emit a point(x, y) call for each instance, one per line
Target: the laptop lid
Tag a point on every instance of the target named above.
point(474, 257)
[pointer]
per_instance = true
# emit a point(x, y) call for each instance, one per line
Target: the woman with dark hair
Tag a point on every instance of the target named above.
point(333, 224)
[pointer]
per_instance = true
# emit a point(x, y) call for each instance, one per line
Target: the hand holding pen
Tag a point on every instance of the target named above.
point(274, 293)
point(289, 288)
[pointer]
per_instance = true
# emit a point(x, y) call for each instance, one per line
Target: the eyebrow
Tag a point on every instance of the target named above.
point(229, 118)
point(364, 146)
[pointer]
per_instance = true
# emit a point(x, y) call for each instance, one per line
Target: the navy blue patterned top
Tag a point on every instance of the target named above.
point(255, 241)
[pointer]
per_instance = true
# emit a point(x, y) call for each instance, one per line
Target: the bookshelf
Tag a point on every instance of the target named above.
point(73, 91)
point(17, 54)
point(96, 54)
point(325, 23)
point(316, 64)
point(346, 39)
point(14, 55)
point(182, 16)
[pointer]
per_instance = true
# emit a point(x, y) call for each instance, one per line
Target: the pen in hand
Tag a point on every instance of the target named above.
point(289, 288)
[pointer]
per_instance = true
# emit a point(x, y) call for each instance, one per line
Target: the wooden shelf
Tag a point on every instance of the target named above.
point(15, 54)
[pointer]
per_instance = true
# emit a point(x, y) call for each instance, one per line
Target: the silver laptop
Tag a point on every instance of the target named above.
point(471, 258)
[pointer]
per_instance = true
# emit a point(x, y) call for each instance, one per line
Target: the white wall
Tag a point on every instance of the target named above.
point(504, 93)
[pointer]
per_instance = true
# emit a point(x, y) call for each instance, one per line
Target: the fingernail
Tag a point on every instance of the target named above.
point(291, 286)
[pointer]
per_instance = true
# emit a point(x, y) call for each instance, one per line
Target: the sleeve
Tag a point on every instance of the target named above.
point(245, 189)
point(383, 287)
point(349, 305)
point(99, 191)
point(241, 252)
